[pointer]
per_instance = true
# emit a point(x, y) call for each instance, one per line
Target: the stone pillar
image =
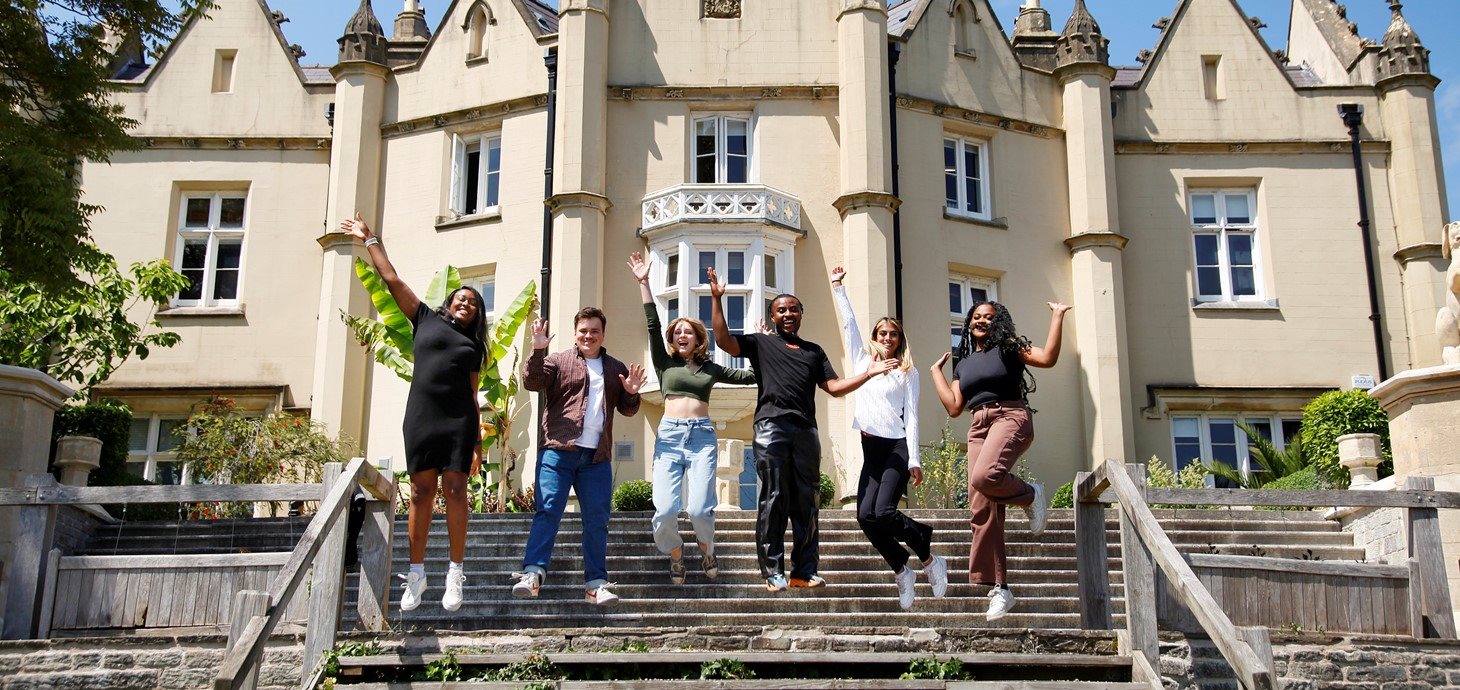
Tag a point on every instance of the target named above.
point(1095, 249)
point(76, 457)
point(1424, 423)
point(1417, 183)
point(729, 462)
point(341, 366)
point(866, 203)
point(28, 404)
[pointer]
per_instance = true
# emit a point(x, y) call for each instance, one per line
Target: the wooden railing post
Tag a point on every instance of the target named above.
point(1140, 581)
point(247, 604)
point(1092, 560)
point(35, 528)
point(1425, 546)
point(376, 537)
point(327, 579)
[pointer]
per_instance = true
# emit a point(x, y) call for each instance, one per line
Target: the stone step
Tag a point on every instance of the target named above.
point(751, 576)
point(430, 617)
point(768, 684)
point(788, 668)
point(497, 601)
point(482, 588)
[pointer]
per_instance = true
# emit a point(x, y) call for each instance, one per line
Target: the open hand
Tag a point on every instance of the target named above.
point(938, 365)
point(838, 274)
point(717, 288)
point(635, 380)
point(639, 267)
point(540, 337)
point(882, 366)
point(356, 227)
point(1058, 308)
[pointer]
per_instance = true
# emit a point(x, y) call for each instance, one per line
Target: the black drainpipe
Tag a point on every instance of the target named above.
point(894, 51)
point(1353, 117)
point(549, 58)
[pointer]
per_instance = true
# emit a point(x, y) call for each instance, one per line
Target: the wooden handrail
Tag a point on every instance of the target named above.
point(168, 493)
point(1343, 498)
point(1251, 671)
point(245, 654)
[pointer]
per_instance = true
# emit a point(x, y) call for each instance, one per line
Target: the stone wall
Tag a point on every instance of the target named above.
point(1309, 661)
point(180, 662)
point(1381, 532)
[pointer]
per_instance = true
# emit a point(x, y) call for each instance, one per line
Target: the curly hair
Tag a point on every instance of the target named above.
point(701, 352)
point(1002, 334)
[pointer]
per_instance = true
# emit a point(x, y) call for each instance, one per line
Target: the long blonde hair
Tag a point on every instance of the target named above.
point(901, 354)
point(701, 353)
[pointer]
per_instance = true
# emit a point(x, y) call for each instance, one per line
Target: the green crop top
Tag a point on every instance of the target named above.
point(676, 379)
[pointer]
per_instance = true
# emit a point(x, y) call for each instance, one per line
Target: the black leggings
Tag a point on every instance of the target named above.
point(883, 482)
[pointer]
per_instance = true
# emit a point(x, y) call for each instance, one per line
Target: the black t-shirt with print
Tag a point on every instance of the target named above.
point(787, 372)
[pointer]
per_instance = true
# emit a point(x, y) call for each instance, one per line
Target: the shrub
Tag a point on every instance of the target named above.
point(633, 495)
point(725, 669)
point(827, 495)
point(1064, 497)
point(1335, 414)
point(945, 474)
point(111, 422)
point(1306, 479)
point(929, 668)
point(1160, 475)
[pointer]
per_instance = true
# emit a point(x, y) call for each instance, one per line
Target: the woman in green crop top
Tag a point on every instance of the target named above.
point(684, 452)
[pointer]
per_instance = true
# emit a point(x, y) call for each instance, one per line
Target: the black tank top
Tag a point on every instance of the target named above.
point(990, 376)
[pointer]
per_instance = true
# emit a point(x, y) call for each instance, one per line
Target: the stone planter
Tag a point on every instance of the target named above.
point(76, 457)
point(1361, 455)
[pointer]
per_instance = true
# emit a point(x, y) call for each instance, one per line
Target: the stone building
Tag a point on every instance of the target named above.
point(1199, 209)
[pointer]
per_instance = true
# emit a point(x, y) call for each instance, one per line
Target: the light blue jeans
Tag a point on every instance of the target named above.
point(684, 457)
point(557, 472)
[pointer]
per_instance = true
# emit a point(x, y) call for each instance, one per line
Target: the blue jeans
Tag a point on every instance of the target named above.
point(557, 472)
point(684, 453)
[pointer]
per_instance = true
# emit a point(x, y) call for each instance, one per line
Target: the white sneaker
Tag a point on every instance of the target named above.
point(1038, 511)
point(600, 595)
point(1000, 601)
point(414, 587)
point(527, 586)
point(455, 579)
point(905, 578)
point(937, 572)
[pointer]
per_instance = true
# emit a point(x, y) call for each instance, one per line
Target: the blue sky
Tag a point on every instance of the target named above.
point(315, 24)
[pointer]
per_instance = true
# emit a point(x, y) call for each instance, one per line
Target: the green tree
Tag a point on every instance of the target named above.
point(56, 64)
point(1268, 463)
point(1335, 414)
point(80, 334)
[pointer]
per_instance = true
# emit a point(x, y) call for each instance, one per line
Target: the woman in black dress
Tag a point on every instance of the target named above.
point(442, 425)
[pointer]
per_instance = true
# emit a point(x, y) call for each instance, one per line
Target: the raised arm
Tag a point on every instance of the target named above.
point(851, 335)
point(950, 396)
point(841, 387)
point(1045, 357)
point(405, 299)
point(723, 337)
point(658, 355)
point(540, 372)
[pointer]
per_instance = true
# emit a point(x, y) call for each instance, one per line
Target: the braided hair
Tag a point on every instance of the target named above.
point(1002, 334)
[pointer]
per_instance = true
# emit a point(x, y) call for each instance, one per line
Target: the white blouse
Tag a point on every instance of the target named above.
point(887, 405)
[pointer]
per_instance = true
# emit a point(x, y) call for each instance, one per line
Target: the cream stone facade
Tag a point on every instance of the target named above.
point(1198, 210)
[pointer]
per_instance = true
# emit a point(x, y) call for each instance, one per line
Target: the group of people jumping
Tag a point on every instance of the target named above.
point(582, 387)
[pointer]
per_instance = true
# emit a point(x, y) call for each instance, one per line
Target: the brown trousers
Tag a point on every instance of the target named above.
point(997, 436)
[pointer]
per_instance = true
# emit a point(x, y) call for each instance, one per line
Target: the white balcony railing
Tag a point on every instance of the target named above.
point(721, 202)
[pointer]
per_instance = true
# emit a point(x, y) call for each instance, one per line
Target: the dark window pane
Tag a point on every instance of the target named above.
point(168, 437)
point(705, 169)
point(735, 172)
point(1290, 429)
point(1240, 246)
point(137, 440)
point(671, 273)
point(1186, 437)
point(673, 309)
point(231, 215)
point(1263, 427)
point(1244, 281)
point(735, 312)
point(736, 142)
point(971, 168)
point(225, 285)
point(1209, 281)
point(950, 173)
point(973, 202)
point(168, 473)
point(707, 261)
point(473, 180)
point(978, 295)
point(194, 290)
point(197, 213)
point(229, 254)
point(1206, 249)
point(737, 268)
point(195, 254)
point(494, 156)
point(705, 312)
point(955, 298)
point(492, 179)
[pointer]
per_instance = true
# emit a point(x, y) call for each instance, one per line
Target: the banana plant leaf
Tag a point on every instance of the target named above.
point(397, 325)
point(445, 282)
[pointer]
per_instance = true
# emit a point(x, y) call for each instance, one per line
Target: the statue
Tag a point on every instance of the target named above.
point(1447, 324)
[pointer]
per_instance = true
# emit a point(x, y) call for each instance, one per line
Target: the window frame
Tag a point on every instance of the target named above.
point(478, 19)
point(150, 456)
point(213, 235)
point(1223, 230)
point(961, 144)
point(687, 288)
point(486, 177)
point(1204, 420)
point(966, 284)
point(722, 154)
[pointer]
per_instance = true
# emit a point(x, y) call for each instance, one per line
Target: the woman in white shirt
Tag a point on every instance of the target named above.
point(887, 416)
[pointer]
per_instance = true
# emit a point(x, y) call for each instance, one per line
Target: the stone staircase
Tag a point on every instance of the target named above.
point(851, 634)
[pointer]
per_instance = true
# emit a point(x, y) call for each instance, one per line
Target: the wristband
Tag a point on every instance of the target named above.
point(373, 240)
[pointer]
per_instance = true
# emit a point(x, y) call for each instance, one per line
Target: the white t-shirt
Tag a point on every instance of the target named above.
point(593, 412)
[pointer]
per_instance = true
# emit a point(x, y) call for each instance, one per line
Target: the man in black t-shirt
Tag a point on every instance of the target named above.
point(788, 370)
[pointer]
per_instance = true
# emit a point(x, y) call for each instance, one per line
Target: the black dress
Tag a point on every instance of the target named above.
point(442, 423)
